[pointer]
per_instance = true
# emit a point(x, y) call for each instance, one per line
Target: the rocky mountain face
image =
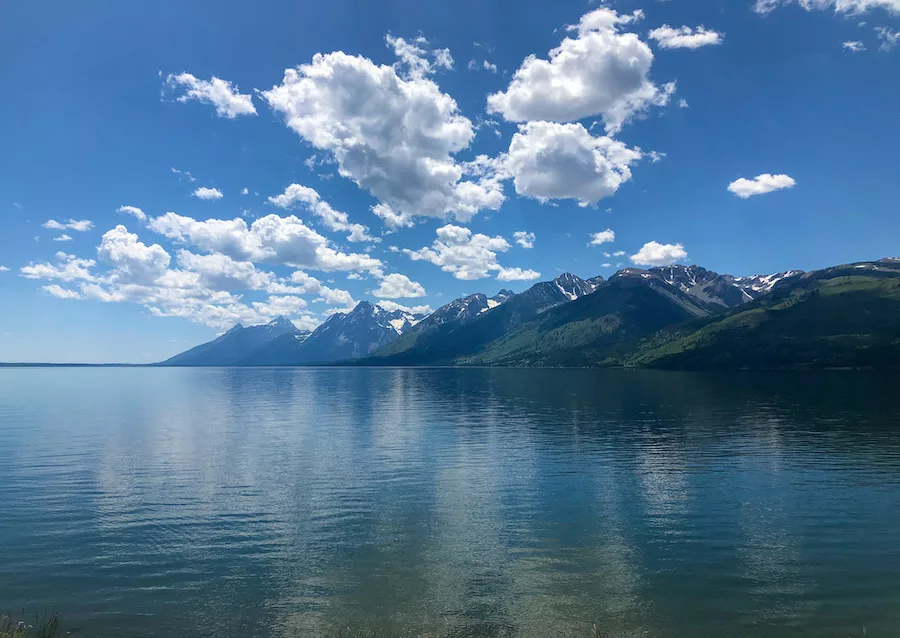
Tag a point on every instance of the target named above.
point(840, 317)
point(344, 336)
point(232, 347)
point(432, 343)
point(673, 316)
point(711, 287)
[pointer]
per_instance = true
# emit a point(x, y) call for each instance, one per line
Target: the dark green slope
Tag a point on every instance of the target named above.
point(596, 327)
point(446, 344)
point(846, 316)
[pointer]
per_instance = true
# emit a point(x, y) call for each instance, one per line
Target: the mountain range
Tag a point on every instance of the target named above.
point(665, 317)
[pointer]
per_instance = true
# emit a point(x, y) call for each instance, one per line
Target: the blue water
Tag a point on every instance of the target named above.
point(297, 502)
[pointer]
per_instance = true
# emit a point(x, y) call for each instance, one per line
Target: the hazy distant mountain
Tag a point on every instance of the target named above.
point(237, 344)
point(458, 339)
point(344, 336)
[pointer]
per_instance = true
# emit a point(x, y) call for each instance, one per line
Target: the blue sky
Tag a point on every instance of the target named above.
point(430, 156)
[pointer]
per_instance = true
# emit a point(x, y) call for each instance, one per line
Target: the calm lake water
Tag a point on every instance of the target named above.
point(294, 502)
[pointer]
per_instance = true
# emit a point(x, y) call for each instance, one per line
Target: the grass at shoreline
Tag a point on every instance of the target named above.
point(46, 626)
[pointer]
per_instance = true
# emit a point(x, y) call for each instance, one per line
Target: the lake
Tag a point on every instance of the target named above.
point(299, 501)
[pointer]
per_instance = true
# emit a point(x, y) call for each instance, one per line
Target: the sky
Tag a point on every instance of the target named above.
point(173, 168)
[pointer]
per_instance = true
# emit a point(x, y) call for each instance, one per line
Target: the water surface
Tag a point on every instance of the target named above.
point(294, 502)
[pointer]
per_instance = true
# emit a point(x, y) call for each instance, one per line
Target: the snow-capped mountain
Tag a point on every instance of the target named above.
point(238, 343)
point(761, 284)
point(465, 308)
point(711, 287)
point(546, 294)
point(343, 336)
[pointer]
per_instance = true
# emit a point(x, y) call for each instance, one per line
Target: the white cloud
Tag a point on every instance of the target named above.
point(334, 220)
point(134, 261)
point(68, 268)
point(854, 46)
point(416, 60)
point(63, 293)
point(270, 239)
point(76, 225)
point(656, 254)
point(760, 185)
point(396, 286)
point(395, 135)
point(484, 65)
point(606, 265)
point(208, 193)
point(619, 253)
point(849, 7)
point(524, 238)
point(136, 212)
point(685, 37)
point(199, 291)
point(229, 102)
point(655, 156)
point(62, 237)
point(183, 174)
point(601, 71)
point(244, 191)
point(392, 306)
point(517, 274)
point(564, 161)
point(889, 38)
point(603, 237)
point(221, 272)
point(468, 256)
point(683, 104)
point(4, 268)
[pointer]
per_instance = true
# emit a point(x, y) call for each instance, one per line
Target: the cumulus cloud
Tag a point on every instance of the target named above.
point(854, 46)
point(62, 237)
point(603, 237)
point(76, 225)
point(468, 256)
point(547, 160)
point(656, 254)
point(4, 268)
point(202, 288)
point(393, 134)
point(517, 274)
point(685, 37)
point(600, 71)
point(134, 211)
point(270, 239)
point(135, 261)
point(393, 306)
point(67, 268)
point(334, 220)
point(524, 238)
point(850, 7)
point(63, 293)
point(227, 99)
point(208, 193)
point(397, 286)
point(760, 185)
